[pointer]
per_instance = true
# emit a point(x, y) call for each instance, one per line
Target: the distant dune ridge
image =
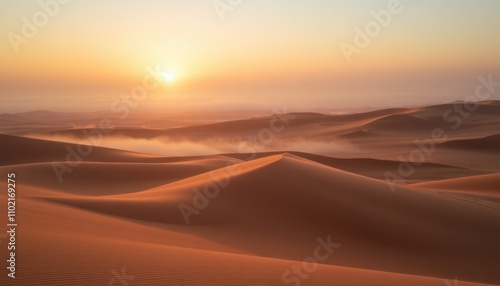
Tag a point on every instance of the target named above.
point(488, 144)
point(246, 215)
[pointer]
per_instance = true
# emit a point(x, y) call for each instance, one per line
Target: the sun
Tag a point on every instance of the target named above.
point(169, 77)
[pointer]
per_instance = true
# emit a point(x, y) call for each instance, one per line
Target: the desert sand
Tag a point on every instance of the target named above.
point(124, 216)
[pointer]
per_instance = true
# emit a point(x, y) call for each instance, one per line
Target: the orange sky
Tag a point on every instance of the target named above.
point(261, 55)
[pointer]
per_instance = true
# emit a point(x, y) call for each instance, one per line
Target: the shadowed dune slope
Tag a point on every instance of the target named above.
point(488, 143)
point(484, 184)
point(404, 123)
point(18, 150)
point(84, 249)
point(92, 178)
point(484, 110)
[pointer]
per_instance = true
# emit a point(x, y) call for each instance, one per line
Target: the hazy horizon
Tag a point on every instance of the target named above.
point(252, 111)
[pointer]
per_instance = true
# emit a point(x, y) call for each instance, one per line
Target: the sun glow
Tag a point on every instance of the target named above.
point(169, 77)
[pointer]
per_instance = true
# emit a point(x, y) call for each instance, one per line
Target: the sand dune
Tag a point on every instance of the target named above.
point(14, 119)
point(486, 144)
point(410, 116)
point(436, 112)
point(246, 218)
point(150, 256)
point(20, 150)
point(133, 177)
point(375, 168)
point(158, 170)
point(360, 134)
point(401, 123)
point(259, 206)
point(351, 135)
point(485, 184)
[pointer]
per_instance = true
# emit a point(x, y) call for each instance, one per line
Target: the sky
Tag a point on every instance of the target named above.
point(91, 55)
